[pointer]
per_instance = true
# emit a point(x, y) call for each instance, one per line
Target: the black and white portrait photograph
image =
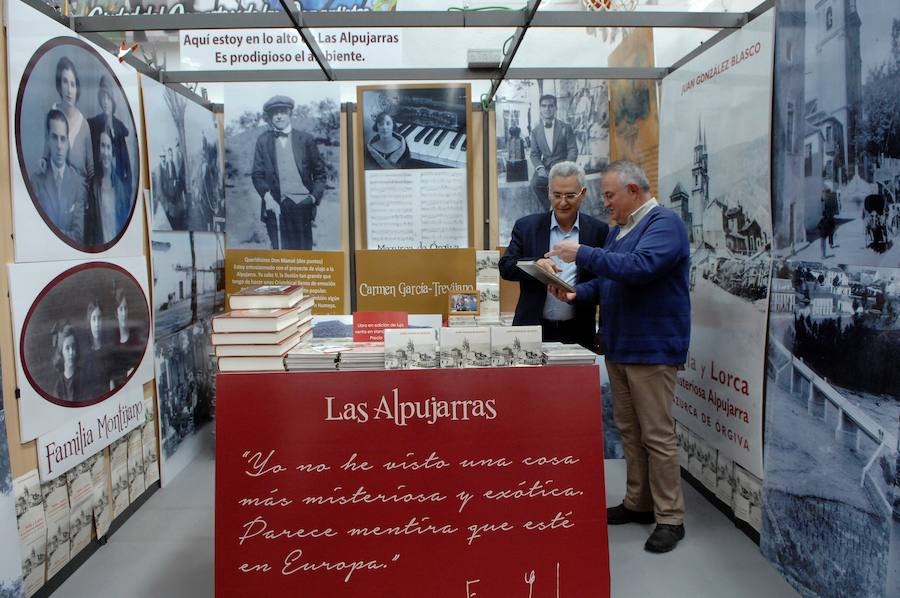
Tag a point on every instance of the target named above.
point(832, 413)
point(186, 175)
point(835, 133)
point(188, 278)
point(82, 330)
point(77, 146)
point(415, 127)
point(541, 122)
point(282, 154)
point(85, 335)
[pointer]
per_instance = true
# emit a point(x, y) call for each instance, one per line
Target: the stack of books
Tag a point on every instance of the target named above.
point(361, 356)
point(263, 325)
point(454, 321)
point(314, 357)
point(567, 354)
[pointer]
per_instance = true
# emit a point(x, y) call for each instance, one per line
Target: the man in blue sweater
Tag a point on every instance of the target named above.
point(642, 286)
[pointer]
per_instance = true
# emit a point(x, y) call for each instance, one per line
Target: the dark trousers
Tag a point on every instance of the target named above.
point(566, 331)
point(540, 188)
point(296, 224)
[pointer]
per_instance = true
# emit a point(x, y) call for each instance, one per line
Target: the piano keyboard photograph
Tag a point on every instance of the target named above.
point(423, 131)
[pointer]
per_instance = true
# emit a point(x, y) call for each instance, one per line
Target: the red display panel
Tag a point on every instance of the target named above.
point(483, 483)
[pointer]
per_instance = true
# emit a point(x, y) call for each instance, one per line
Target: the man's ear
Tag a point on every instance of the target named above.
point(632, 188)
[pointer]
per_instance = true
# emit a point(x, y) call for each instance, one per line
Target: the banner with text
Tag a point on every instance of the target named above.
point(416, 282)
point(384, 478)
point(714, 172)
point(320, 273)
point(261, 49)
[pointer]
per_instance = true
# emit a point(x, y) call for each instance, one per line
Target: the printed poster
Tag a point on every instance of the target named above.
point(714, 172)
point(75, 142)
point(82, 333)
point(415, 168)
point(576, 111)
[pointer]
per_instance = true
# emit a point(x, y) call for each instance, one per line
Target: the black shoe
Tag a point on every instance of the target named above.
point(622, 514)
point(664, 538)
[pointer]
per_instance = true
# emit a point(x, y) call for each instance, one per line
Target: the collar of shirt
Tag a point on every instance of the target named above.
point(555, 225)
point(58, 172)
point(636, 216)
point(282, 136)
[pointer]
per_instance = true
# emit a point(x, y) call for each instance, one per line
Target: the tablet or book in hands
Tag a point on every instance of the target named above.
point(531, 267)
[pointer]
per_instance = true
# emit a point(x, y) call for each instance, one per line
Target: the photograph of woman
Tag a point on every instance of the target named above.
point(96, 380)
point(108, 205)
point(387, 149)
point(68, 385)
point(127, 347)
point(68, 86)
point(106, 121)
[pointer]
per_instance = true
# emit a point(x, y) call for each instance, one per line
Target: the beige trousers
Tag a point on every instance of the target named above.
point(642, 408)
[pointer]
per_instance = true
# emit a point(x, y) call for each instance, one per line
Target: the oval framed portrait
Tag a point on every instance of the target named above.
point(77, 144)
point(85, 334)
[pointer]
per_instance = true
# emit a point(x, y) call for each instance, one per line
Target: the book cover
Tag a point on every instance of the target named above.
point(465, 347)
point(516, 346)
point(531, 268)
point(487, 263)
point(489, 299)
point(410, 348)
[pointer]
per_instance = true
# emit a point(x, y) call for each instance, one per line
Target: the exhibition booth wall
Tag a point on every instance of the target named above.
point(775, 146)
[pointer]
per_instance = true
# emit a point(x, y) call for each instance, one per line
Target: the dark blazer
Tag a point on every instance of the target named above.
point(93, 224)
point(530, 240)
point(120, 147)
point(306, 156)
point(564, 146)
point(65, 208)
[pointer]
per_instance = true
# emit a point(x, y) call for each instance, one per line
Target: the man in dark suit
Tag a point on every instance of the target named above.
point(59, 190)
point(532, 236)
point(289, 176)
point(552, 141)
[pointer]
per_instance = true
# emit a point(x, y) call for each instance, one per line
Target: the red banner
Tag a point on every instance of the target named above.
point(484, 483)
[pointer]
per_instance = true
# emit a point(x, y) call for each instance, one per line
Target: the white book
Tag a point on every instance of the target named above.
point(410, 348)
point(465, 347)
point(251, 364)
point(489, 293)
point(516, 346)
point(487, 265)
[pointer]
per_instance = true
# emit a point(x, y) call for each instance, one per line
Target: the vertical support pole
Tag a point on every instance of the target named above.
point(349, 109)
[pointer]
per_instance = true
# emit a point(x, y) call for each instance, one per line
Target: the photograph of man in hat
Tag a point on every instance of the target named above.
point(290, 177)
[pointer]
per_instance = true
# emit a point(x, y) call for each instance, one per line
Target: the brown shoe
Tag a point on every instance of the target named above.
point(664, 538)
point(622, 514)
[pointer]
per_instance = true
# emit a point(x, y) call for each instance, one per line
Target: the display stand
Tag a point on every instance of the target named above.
point(372, 483)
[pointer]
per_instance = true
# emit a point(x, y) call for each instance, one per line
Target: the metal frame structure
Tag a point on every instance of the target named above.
point(304, 21)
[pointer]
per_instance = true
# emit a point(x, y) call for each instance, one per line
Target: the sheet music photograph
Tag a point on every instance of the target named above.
point(415, 165)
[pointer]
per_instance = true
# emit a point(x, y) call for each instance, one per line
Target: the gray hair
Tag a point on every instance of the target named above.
point(629, 174)
point(567, 169)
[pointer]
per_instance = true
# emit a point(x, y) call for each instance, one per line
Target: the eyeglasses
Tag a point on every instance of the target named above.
point(566, 196)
